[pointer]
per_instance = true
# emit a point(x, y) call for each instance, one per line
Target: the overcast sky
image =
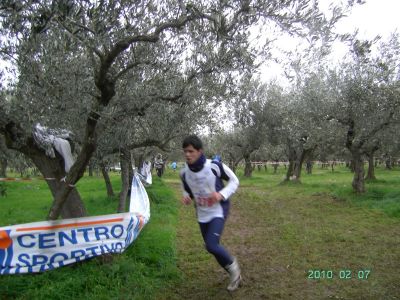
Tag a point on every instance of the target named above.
point(375, 17)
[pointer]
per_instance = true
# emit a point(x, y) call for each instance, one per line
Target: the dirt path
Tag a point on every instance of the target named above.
point(277, 242)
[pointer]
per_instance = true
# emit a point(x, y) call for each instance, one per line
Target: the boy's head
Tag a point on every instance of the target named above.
point(193, 148)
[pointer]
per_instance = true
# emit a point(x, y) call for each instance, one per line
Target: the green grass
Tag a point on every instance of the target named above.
point(281, 232)
point(143, 269)
point(382, 194)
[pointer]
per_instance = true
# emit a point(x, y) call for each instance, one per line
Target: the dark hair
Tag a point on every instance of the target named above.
point(193, 140)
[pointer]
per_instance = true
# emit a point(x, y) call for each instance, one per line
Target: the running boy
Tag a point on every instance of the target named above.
point(202, 182)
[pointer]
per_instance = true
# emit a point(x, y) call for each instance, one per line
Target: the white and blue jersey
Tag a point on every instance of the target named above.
point(201, 183)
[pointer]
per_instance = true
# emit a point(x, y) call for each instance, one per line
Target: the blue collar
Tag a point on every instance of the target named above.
point(198, 164)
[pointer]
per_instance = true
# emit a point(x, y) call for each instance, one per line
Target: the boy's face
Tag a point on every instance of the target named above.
point(191, 154)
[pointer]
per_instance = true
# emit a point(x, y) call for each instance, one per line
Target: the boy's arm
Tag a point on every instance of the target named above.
point(185, 187)
point(233, 182)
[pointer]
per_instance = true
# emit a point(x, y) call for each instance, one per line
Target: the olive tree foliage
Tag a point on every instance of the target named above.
point(254, 111)
point(390, 146)
point(223, 143)
point(304, 127)
point(73, 57)
point(364, 98)
point(136, 137)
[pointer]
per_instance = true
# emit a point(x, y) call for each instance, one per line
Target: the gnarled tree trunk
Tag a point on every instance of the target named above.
point(247, 166)
point(67, 202)
point(124, 160)
point(358, 183)
point(107, 181)
point(299, 163)
point(371, 167)
point(289, 170)
point(53, 171)
point(291, 166)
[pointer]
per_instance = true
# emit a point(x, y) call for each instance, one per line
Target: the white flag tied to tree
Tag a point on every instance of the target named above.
point(145, 174)
point(40, 246)
point(49, 139)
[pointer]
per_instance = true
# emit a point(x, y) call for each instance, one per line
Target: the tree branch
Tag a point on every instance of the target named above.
point(378, 128)
point(131, 66)
point(74, 35)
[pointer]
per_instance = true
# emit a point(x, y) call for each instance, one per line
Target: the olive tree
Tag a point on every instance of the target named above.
point(365, 98)
point(72, 58)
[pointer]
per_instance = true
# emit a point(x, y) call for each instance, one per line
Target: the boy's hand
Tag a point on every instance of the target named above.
point(186, 200)
point(214, 198)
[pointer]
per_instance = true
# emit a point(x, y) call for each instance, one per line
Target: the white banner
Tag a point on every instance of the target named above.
point(41, 246)
point(145, 174)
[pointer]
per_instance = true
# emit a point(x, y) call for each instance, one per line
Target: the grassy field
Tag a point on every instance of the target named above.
point(291, 239)
point(139, 273)
point(285, 237)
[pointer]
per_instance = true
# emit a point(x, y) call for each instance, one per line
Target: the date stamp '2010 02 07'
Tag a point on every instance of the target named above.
point(318, 274)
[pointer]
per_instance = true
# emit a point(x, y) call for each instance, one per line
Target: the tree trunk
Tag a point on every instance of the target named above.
point(289, 170)
point(130, 170)
point(388, 163)
point(275, 165)
point(235, 165)
point(292, 162)
point(3, 167)
point(358, 179)
point(104, 172)
point(371, 167)
point(124, 159)
point(53, 171)
point(309, 167)
point(299, 163)
point(247, 166)
point(91, 165)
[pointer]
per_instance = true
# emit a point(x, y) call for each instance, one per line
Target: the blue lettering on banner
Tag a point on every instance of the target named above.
point(101, 231)
point(85, 233)
point(78, 254)
point(118, 246)
point(47, 243)
point(53, 258)
point(93, 250)
point(62, 236)
point(46, 250)
point(115, 228)
point(108, 250)
point(39, 259)
point(46, 267)
point(20, 241)
point(22, 258)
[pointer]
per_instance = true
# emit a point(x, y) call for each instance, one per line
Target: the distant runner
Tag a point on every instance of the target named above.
point(159, 165)
point(202, 182)
point(174, 165)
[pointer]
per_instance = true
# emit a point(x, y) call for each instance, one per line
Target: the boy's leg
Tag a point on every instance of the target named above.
point(211, 233)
